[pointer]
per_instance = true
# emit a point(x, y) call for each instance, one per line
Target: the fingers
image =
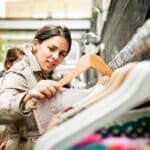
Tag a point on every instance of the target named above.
point(45, 89)
point(52, 91)
point(30, 104)
point(55, 85)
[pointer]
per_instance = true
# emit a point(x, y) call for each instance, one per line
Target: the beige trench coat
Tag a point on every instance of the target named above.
point(22, 129)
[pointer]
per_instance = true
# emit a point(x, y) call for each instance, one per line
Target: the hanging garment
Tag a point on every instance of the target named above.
point(62, 101)
point(103, 112)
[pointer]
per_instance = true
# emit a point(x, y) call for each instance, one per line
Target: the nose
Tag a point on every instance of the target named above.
point(55, 55)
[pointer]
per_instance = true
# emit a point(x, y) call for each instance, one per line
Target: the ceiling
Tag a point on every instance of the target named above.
point(46, 8)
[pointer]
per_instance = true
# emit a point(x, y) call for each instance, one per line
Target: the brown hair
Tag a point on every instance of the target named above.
point(12, 55)
point(49, 31)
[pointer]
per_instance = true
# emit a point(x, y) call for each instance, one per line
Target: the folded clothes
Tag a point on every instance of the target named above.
point(136, 128)
point(90, 147)
point(95, 142)
point(90, 139)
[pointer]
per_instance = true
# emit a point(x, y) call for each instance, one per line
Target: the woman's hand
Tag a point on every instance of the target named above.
point(44, 89)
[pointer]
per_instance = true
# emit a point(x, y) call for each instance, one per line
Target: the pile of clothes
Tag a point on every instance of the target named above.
point(96, 142)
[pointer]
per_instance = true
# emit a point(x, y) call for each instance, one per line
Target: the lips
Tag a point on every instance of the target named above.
point(51, 64)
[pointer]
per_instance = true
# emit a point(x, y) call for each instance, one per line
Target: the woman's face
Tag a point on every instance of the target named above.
point(51, 52)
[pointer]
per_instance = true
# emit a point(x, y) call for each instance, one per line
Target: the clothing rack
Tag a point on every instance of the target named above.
point(134, 91)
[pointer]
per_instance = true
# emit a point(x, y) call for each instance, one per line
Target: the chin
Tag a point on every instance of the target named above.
point(48, 70)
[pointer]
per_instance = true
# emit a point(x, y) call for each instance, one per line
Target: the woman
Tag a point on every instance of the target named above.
point(31, 79)
point(13, 55)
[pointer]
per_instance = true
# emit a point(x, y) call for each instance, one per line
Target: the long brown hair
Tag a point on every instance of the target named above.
point(49, 31)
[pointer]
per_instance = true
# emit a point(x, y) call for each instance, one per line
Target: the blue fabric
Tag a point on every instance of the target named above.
point(90, 147)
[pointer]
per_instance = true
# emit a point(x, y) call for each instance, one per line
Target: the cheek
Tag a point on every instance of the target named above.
point(41, 53)
point(40, 58)
point(61, 60)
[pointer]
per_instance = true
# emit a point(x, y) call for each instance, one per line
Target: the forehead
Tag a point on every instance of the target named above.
point(58, 42)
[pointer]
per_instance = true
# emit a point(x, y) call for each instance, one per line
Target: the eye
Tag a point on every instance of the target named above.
point(63, 54)
point(51, 49)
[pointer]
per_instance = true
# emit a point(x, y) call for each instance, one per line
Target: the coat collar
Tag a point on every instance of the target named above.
point(35, 67)
point(30, 57)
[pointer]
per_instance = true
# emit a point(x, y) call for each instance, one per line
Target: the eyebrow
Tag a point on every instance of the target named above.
point(55, 47)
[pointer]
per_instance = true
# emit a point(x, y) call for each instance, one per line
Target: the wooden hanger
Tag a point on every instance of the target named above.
point(84, 63)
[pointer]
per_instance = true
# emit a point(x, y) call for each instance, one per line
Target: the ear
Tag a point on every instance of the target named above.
point(35, 44)
point(8, 65)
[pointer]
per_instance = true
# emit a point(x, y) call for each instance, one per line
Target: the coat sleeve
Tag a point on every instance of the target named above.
point(14, 88)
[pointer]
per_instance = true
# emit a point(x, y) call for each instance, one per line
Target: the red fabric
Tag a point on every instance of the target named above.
point(90, 139)
point(68, 108)
point(120, 147)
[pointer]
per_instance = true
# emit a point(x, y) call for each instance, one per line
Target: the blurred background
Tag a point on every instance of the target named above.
point(97, 26)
